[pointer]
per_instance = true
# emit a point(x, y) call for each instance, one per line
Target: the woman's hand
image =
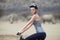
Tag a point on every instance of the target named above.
point(18, 33)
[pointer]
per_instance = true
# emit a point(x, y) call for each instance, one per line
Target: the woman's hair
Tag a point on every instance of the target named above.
point(33, 5)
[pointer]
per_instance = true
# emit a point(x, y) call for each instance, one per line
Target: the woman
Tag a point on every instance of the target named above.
point(35, 20)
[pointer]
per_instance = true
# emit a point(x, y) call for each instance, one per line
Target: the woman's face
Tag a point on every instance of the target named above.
point(33, 10)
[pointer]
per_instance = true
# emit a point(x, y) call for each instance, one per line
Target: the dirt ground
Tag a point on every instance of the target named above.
point(8, 31)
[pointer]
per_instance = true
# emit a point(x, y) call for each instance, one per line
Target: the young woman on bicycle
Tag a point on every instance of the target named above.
point(35, 20)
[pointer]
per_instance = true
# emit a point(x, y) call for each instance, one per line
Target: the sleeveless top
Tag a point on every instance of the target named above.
point(38, 27)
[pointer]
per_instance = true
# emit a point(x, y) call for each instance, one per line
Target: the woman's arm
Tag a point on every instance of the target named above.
point(27, 25)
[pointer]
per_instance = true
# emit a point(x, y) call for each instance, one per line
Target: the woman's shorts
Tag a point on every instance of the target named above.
point(35, 36)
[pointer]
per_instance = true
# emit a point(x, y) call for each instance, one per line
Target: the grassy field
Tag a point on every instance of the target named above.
point(8, 31)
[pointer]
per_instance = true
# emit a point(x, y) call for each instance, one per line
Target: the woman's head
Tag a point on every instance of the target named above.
point(33, 8)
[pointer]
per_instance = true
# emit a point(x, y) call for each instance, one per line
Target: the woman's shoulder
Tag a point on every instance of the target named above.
point(34, 15)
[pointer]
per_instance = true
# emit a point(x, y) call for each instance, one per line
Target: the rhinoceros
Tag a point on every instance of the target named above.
point(12, 18)
point(48, 18)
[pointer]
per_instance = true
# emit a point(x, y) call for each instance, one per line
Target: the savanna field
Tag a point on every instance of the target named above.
point(8, 31)
point(19, 9)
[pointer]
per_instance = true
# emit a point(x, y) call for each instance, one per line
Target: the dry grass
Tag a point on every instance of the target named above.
point(8, 31)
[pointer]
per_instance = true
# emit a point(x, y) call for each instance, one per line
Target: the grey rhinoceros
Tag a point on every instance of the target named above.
point(48, 18)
